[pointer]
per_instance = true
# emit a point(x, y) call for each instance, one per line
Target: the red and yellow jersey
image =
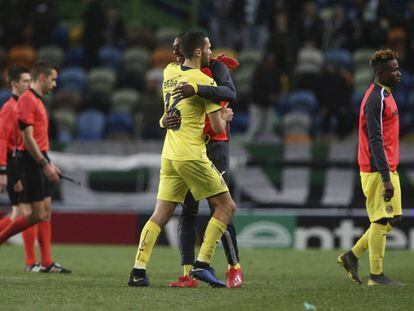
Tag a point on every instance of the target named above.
point(378, 148)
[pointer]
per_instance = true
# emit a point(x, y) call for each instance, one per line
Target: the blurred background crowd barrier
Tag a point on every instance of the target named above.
point(304, 66)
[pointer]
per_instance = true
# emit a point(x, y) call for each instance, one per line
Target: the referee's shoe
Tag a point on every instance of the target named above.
point(54, 268)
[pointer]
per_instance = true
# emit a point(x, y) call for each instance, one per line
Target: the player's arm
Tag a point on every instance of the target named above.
point(50, 170)
point(374, 109)
point(225, 91)
point(169, 121)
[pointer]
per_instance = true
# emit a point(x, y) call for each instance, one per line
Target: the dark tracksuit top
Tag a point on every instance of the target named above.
point(378, 148)
point(224, 92)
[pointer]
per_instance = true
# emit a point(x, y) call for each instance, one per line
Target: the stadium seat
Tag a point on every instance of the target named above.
point(136, 57)
point(310, 61)
point(164, 37)
point(296, 127)
point(363, 77)
point(304, 101)
point(161, 57)
point(65, 119)
point(75, 57)
point(90, 125)
point(124, 100)
point(361, 58)
point(135, 63)
point(250, 58)
point(73, 79)
point(67, 99)
point(4, 96)
point(53, 54)
point(119, 125)
point(102, 79)
point(110, 57)
point(339, 57)
point(310, 55)
point(21, 55)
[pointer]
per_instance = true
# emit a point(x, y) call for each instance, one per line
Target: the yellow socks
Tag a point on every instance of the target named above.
point(214, 231)
point(149, 235)
point(361, 245)
point(187, 269)
point(377, 240)
point(235, 267)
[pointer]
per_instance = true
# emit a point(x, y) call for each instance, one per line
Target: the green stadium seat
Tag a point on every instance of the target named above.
point(102, 79)
point(53, 54)
point(124, 100)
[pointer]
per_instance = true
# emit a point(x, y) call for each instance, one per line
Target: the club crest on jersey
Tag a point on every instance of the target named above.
point(389, 209)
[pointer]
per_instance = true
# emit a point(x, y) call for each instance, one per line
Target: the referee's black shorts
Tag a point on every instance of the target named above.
point(218, 153)
point(36, 186)
point(13, 176)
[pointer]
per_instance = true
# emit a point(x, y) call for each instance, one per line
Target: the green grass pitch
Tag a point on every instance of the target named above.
point(274, 280)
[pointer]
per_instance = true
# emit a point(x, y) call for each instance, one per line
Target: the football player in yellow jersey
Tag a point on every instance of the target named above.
point(185, 166)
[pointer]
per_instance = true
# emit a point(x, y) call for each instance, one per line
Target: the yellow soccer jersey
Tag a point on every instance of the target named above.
point(187, 142)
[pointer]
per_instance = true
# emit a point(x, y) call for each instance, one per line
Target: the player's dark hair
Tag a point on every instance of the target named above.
point(381, 58)
point(42, 67)
point(192, 40)
point(15, 73)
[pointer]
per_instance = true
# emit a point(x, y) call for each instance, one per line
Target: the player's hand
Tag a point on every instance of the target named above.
point(52, 173)
point(230, 62)
point(183, 91)
point(388, 190)
point(227, 114)
point(3, 182)
point(18, 187)
point(171, 122)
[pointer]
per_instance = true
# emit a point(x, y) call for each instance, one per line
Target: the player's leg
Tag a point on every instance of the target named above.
point(44, 238)
point(5, 221)
point(172, 189)
point(224, 208)
point(187, 224)
point(205, 181)
point(29, 237)
point(34, 194)
point(385, 216)
point(149, 235)
point(218, 153)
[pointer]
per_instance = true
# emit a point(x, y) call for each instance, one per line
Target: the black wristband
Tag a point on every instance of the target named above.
point(3, 170)
point(43, 162)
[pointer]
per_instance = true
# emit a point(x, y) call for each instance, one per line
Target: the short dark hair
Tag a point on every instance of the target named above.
point(42, 67)
point(192, 40)
point(382, 57)
point(15, 72)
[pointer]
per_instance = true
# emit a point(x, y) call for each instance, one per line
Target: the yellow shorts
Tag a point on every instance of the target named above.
point(372, 187)
point(199, 176)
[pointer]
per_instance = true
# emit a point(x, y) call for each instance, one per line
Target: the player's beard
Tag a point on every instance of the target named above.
point(205, 62)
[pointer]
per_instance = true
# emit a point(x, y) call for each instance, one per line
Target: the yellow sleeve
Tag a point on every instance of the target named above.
point(211, 106)
point(160, 122)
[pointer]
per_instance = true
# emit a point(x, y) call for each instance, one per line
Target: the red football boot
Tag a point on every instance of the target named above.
point(234, 278)
point(184, 282)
